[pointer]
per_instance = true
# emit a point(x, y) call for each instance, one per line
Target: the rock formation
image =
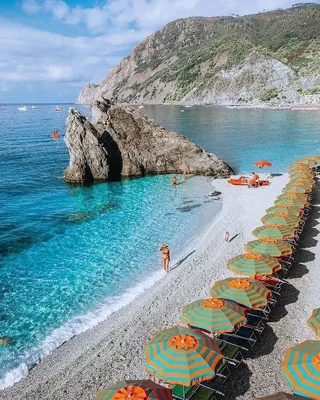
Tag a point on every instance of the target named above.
point(122, 142)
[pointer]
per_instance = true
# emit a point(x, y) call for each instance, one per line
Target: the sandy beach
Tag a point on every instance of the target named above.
point(113, 350)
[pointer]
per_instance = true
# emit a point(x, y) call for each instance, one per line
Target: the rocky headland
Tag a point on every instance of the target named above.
point(265, 59)
point(120, 142)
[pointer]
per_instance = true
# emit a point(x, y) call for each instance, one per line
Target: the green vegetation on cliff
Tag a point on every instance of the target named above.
point(192, 56)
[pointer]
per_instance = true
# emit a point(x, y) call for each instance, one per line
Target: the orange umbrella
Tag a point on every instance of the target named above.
point(262, 164)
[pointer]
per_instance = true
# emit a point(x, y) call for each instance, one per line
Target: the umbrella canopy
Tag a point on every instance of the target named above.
point(302, 175)
point(292, 211)
point(292, 188)
point(183, 356)
point(262, 164)
point(294, 196)
point(281, 219)
point(314, 321)
point(274, 232)
point(281, 396)
point(214, 315)
point(247, 292)
point(300, 181)
point(292, 202)
point(253, 265)
point(301, 368)
point(135, 390)
point(269, 247)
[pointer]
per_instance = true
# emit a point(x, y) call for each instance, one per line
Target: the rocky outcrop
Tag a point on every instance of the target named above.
point(122, 142)
point(87, 149)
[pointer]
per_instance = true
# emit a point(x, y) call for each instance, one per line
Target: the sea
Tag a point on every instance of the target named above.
point(71, 255)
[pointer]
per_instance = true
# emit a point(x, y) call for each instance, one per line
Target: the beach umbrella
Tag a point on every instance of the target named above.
point(281, 219)
point(214, 315)
point(247, 292)
point(262, 164)
point(274, 232)
point(301, 368)
point(183, 356)
point(135, 390)
point(294, 196)
point(253, 265)
point(292, 188)
point(269, 247)
point(307, 176)
point(281, 396)
point(314, 321)
point(292, 211)
point(304, 182)
point(292, 202)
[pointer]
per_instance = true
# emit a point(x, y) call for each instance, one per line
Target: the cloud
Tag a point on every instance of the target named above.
point(148, 14)
point(31, 7)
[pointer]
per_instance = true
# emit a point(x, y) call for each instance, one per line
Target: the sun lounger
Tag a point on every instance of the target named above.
point(243, 336)
point(222, 374)
point(231, 352)
point(256, 323)
point(182, 392)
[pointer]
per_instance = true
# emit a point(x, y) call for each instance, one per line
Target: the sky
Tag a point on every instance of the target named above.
point(49, 49)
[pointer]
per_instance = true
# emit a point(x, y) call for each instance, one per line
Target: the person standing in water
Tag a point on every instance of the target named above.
point(165, 257)
point(174, 181)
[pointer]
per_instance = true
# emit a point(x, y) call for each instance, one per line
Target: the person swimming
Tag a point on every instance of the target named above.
point(55, 134)
point(174, 181)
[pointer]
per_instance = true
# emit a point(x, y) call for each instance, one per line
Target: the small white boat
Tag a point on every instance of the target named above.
point(23, 108)
point(141, 106)
point(57, 109)
point(187, 106)
point(182, 110)
point(34, 107)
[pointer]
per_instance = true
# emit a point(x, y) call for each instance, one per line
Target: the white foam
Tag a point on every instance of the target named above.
point(75, 326)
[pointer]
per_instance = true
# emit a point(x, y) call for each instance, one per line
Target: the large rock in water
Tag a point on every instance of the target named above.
point(122, 142)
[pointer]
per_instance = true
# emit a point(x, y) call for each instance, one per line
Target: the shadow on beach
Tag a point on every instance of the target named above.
point(238, 384)
point(176, 265)
point(289, 295)
point(265, 344)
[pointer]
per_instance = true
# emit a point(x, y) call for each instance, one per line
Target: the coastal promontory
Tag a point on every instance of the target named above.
point(120, 142)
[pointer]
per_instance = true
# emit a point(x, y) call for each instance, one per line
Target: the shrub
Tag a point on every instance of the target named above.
point(268, 94)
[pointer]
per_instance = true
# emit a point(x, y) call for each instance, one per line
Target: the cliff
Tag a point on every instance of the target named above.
point(120, 142)
point(270, 57)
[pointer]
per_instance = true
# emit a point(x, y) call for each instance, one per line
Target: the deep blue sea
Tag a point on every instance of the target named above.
point(71, 255)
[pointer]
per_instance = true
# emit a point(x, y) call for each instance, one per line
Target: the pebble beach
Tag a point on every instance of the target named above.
point(114, 349)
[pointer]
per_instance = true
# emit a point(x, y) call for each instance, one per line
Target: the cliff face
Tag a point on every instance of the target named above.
point(122, 142)
point(267, 57)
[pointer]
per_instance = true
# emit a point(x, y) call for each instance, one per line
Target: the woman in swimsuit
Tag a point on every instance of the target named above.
point(165, 257)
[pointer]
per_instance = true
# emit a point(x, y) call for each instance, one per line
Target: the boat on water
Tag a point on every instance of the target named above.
point(57, 109)
point(34, 107)
point(23, 108)
point(187, 106)
point(141, 106)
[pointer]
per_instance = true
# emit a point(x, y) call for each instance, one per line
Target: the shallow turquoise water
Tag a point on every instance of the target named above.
point(72, 255)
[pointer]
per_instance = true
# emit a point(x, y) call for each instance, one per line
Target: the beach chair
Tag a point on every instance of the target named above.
point(243, 336)
point(222, 374)
point(180, 392)
point(231, 352)
point(256, 323)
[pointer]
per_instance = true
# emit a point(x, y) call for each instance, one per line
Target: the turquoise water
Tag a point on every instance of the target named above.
point(71, 255)
point(241, 137)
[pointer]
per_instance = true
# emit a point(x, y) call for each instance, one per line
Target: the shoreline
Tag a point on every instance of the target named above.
point(113, 350)
point(89, 320)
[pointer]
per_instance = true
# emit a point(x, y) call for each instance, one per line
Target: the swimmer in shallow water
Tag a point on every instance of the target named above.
point(174, 181)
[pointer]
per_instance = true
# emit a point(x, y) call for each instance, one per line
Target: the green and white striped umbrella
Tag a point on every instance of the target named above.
point(253, 265)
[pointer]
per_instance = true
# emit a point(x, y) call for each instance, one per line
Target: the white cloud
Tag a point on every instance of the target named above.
point(31, 6)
